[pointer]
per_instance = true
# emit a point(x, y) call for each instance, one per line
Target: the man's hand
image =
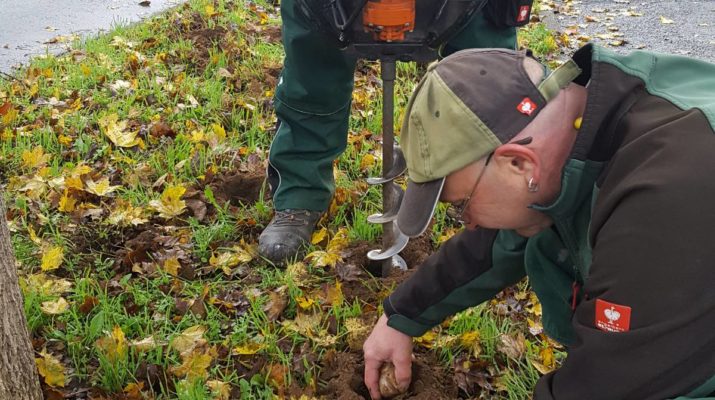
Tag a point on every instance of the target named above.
point(387, 344)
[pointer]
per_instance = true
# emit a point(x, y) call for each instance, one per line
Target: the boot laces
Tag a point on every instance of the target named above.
point(291, 218)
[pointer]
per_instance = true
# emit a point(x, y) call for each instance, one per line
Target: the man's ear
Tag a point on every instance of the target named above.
point(519, 160)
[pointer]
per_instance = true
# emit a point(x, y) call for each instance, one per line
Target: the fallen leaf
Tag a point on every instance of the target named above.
point(113, 345)
point(189, 339)
point(35, 158)
point(170, 204)
point(358, 332)
point(194, 365)
point(89, 303)
point(117, 131)
point(171, 266)
point(124, 214)
point(219, 390)
point(146, 344)
point(319, 236)
point(100, 188)
point(512, 347)
point(55, 307)
point(664, 20)
point(275, 306)
point(52, 258)
point(51, 369)
point(248, 348)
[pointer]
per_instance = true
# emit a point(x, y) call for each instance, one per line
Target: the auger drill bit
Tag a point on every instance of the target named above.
point(393, 241)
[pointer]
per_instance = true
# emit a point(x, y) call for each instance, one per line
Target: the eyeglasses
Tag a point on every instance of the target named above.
point(458, 210)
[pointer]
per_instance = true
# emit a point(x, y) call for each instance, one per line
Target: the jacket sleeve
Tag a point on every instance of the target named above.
point(468, 269)
point(652, 238)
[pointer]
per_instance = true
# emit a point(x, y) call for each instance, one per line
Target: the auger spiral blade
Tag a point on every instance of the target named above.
point(399, 166)
point(390, 214)
point(399, 242)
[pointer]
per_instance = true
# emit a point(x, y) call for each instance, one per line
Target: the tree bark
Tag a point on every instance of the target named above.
point(18, 373)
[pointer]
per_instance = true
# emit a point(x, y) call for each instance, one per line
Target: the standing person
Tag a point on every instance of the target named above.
point(596, 182)
point(312, 103)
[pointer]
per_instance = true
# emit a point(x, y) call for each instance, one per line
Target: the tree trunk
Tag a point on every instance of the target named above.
point(18, 373)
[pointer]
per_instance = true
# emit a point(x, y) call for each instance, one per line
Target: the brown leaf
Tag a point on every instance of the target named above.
point(275, 306)
point(348, 272)
point(161, 129)
point(5, 108)
point(512, 347)
point(88, 304)
point(197, 207)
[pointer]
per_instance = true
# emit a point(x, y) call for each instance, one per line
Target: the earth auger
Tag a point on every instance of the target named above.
point(390, 31)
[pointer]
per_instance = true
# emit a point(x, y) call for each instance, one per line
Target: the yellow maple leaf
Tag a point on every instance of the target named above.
point(238, 254)
point(33, 235)
point(189, 339)
point(35, 158)
point(248, 348)
point(468, 339)
point(51, 369)
point(427, 340)
point(171, 266)
point(322, 258)
point(117, 131)
point(74, 182)
point(101, 187)
point(55, 307)
point(124, 214)
point(219, 133)
point(45, 285)
point(10, 116)
point(134, 390)
point(334, 294)
point(86, 71)
point(114, 345)
point(367, 162)
point(304, 302)
point(67, 203)
point(194, 365)
point(319, 236)
point(170, 204)
point(52, 258)
point(219, 389)
point(339, 241)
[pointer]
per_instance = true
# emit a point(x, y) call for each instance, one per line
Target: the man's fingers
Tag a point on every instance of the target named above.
point(403, 370)
point(372, 377)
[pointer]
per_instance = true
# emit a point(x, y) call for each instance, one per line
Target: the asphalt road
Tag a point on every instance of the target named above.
point(28, 27)
point(685, 27)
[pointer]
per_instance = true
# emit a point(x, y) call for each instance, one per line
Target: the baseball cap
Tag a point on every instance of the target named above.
point(466, 106)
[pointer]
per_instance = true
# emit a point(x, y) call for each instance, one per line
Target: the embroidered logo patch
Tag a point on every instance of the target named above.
point(612, 317)
point(523, 13)
point(526, 106)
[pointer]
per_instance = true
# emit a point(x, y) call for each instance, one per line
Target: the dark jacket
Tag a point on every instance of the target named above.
point(634, 229)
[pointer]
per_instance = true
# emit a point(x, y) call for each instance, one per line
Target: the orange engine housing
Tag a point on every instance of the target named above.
point(388, 20)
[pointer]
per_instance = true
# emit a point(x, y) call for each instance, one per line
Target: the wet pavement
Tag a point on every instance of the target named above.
point(684, 27)
point(35, 27)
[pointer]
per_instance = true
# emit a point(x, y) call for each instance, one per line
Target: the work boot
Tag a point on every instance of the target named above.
point(286, 233)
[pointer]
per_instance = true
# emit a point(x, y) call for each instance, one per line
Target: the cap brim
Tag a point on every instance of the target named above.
point(418, 205)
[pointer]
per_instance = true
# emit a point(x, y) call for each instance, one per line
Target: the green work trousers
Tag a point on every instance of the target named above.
point(312, 103)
